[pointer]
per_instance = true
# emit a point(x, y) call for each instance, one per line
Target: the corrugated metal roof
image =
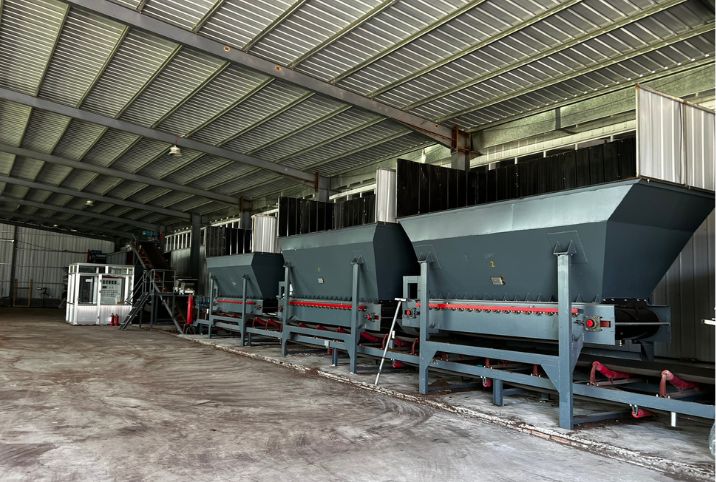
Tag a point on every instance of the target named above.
point(392, 25)
point(79, 137)
point(137, 60)
point(109, 146)
point(27, 38)
point(185, 73)
point(262, 104)
point(313, 23)
point(13, 119)
point(26, 168)
point(86, 43)
point(224, 91)
point(252, 15)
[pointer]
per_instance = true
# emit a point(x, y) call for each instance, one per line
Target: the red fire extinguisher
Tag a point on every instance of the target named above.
point(190, 310)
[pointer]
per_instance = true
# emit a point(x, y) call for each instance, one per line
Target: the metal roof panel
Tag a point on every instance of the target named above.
point(179, 79)
point(138, 58)
point(13, 119)
point(27, 38)
point(84, 47)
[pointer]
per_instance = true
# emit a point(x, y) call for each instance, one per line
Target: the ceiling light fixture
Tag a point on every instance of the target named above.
point(89, 203)
point(175, 151)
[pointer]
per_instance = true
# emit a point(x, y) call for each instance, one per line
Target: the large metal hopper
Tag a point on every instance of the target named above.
point(626, 235)
point(263, 271)
point(321, 262)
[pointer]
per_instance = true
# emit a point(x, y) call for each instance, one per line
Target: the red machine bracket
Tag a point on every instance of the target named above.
point(679, 383)
point(607, 372)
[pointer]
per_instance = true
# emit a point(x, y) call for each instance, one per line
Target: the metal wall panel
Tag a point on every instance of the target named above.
point(699, 146)
point(6, 242)
point(675, 140)
point(180, 264)
point(385, 195)
point(688, 287)
point(43, 257)
point(264, 234)
point(180, 261)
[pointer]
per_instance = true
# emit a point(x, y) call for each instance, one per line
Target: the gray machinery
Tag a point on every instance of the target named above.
point(343, 283)
point(567, 269)
point(244, 287)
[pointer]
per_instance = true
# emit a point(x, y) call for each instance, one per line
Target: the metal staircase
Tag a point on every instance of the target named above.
point(155, 288)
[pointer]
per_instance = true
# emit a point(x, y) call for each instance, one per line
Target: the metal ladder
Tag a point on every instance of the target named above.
point(155, 284)
point(137, 309)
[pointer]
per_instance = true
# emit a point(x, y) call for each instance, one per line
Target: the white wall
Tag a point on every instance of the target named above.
point(43, 257)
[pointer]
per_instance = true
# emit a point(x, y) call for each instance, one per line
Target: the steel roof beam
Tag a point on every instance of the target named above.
point(108, 171)
point(9, 215)
point(95, 197)
point(79, 212)
point(116, 12)
point(150, 133)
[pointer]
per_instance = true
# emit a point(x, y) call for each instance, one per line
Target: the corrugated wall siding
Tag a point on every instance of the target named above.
point(688, 288)
point(43, 257)
point(6, 240)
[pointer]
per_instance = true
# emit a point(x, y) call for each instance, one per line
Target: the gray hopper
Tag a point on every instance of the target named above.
point(626, 235)
point(263, 272)
point(321, 262)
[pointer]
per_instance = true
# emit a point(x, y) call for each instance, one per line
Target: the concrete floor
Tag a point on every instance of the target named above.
point(94, 403)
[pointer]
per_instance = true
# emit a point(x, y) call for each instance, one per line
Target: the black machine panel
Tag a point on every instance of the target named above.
point(301, 216)
point(424, 188)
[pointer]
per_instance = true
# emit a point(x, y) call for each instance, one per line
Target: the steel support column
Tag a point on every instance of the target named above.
point(355, 322)
point(210, 314)
point(460, 154)
point(13, 262)
point(566, 341)
point(242, 321)
point(322, 195)
point(285, 333)
point(245, 220)
point(426, 352)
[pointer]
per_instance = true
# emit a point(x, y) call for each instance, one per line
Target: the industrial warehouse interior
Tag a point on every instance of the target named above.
point(360, 240)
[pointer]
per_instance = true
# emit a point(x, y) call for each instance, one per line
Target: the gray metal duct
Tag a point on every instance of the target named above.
point(385, 195)
point(264, 234)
